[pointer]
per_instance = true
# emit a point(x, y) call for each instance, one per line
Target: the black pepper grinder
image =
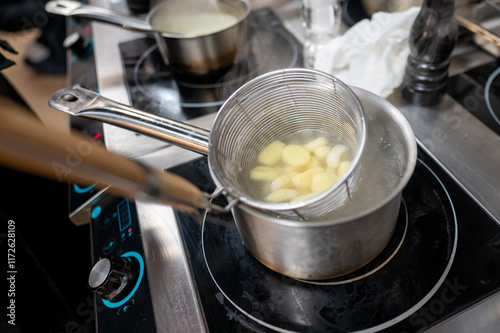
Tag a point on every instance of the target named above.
point(432, 39)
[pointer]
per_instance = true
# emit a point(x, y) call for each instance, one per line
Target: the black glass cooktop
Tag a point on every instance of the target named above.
point(442, 258)
point(444, 255)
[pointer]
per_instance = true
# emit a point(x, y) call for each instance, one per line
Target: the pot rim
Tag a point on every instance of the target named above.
point(411, 145)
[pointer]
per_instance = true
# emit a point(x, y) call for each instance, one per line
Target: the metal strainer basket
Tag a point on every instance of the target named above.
point(277, 105)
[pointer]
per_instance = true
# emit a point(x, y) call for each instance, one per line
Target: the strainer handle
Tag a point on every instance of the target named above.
point(29, 146)
point(81, 102)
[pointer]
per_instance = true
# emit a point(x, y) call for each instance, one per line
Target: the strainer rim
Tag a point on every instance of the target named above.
point(412, 159)
point(289, 206)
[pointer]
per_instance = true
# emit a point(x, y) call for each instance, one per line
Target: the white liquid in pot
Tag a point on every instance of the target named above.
point(193, 23)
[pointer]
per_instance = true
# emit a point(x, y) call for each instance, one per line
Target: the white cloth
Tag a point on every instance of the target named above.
point(372, 54)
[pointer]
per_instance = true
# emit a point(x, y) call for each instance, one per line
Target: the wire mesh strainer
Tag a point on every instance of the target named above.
point(275, 106)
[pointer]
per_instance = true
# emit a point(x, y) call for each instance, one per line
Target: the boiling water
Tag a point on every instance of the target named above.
point(259, 189)
point(381, 172)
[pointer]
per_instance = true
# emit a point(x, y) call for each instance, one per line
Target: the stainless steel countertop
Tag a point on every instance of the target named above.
point(464, 147)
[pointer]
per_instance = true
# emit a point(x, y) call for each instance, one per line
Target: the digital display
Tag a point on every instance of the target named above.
point(124, 217)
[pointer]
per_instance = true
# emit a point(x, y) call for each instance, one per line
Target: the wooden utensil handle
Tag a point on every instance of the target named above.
point(29, 146)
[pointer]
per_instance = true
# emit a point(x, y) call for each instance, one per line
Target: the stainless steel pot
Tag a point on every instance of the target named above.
point(324, 247)
point(202, 55)
point(348, 238)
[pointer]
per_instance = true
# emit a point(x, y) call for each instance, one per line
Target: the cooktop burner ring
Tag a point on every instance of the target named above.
point(487, 88)
point(139, 63)
point(400, 233)
point(269, 299)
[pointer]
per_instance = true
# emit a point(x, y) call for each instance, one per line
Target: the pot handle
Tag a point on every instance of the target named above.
point(81, 102)
point(77, 9)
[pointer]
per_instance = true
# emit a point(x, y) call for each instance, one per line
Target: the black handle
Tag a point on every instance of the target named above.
point(432, 39)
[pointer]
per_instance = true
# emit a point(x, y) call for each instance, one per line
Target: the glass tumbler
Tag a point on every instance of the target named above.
point(321, 21)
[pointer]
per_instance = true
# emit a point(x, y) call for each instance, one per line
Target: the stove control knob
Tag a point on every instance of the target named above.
point(110, 276)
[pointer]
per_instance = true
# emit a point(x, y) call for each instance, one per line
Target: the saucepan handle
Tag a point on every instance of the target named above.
point(77, 9)
point(81, 102)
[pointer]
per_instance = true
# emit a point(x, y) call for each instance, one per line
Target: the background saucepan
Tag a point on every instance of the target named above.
point(198, 38)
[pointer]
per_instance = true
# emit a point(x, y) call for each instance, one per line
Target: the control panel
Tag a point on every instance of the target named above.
point(83, 198)
point(119, 277)
point(122, 300)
